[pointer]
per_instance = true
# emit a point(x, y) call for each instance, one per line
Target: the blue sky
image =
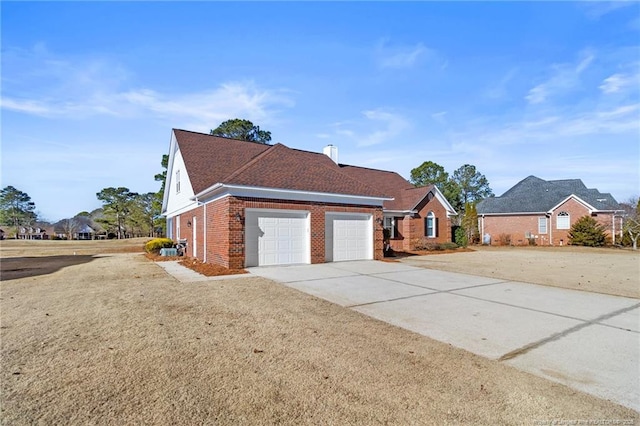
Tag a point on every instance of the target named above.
point(91, 91)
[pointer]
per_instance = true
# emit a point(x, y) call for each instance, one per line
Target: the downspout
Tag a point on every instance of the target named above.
point(204, 233)
point(550, 215)
point(613, 228)
point(204, 228)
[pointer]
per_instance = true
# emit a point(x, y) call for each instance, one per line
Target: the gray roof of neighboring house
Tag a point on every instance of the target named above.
point(535, 195)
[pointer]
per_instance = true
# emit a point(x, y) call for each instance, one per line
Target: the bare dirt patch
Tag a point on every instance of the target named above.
point(600, 270)
point(117, 341)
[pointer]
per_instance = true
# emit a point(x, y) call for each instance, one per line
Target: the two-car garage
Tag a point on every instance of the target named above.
point(282, 237)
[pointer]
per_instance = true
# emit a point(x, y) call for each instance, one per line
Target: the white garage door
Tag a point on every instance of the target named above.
point(276, 238)
point(348, 237)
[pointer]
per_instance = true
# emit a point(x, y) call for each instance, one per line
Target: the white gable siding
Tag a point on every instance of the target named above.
point(178, 201)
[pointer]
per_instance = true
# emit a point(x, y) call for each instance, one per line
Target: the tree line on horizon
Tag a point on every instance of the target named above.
point(123, 214)
point(129, 214)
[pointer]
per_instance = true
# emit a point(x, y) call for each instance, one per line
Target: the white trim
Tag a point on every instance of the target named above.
point(259, 210)
point(220, 190)
point(546, 225)
point(566, 215)
point(181, 210)
point(329, 233)
point(514, 214)
point(431, 215)
point(252, 250)
point(578, 199)
point(173, 148)
point(194, 227)
point(443, 200)
point(392, 229)
point(396, 213)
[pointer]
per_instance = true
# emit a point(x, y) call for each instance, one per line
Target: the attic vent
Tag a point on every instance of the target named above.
point(601, 199)
point(331, 152)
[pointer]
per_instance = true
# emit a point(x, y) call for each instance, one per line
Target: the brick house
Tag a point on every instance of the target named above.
point(414, 214)
point(544, 211)
point(240, 204)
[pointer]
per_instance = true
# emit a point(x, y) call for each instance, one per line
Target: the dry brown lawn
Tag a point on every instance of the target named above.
point(600, 270)
point(110, 338)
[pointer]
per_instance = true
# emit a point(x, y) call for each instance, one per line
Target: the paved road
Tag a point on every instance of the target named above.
point(588, 341)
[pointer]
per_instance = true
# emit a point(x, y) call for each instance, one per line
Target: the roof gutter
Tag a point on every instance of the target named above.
point(399, 212)
point(207, 191)
point(249, 191)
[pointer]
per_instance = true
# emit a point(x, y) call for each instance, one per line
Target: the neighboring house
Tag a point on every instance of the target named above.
point(542, 212)
point(240, 204)
point(77, 228)
point(84, 233)
point(32, 233)
point(415, 215)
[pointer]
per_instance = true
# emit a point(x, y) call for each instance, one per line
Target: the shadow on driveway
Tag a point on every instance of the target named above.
point(13, 268)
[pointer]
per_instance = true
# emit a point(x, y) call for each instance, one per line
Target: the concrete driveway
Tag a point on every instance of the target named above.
point(588, 341)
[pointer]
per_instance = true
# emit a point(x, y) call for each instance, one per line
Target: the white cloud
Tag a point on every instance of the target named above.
point(617, 82)
point(84, 88)
point(538, 94)
point(551, 129)
point(377, 127)
point(499, 90)
point(440, 117)
point(564, 77)
point(597, 9)
point(392, 126)
point(584, 63)
point(398, 57)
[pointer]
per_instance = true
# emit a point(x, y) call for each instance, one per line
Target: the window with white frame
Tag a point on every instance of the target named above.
point(430, 225)
point(542, 225)
point(390, 224)
point(178, 182)
point(563, 221)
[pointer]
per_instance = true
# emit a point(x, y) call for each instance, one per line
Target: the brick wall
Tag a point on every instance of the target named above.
point(517, 226)
point(411, 228)
point(218, 232)
point(576, 210)
point(513, 227)
point(225, 233)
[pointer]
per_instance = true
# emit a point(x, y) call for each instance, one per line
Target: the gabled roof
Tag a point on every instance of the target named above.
point(406, 197)
point(209, 159)
point(212, 160)
point(286, 168)
point(390, 183)
point(535, 195)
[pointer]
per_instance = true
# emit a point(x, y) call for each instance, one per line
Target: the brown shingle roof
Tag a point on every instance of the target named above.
point(210, 160)
point(411, 197)
point(405, 195)
point(286, 168)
